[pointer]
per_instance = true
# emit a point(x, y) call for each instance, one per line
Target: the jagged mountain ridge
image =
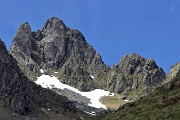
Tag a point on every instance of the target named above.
point(64, 53)
point(58, 48)
point(21, 96)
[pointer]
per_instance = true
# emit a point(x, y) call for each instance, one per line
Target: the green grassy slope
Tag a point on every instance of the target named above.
point(163, 104)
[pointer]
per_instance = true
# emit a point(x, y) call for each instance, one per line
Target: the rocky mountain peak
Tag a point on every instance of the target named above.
point(135, 73)
point(134, 62)
point(58, 48)
point(24, 30)
point(134, 55)
point(22, 39)
point(54, 24)
point(2, 45)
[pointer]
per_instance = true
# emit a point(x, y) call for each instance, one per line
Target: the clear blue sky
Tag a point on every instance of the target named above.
point(150, 28)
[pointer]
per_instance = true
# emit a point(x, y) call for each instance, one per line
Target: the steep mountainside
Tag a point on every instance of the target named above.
point(163, 104)
point(61, 53)
point(135, 76)
point(57, 48)
point(20, 96)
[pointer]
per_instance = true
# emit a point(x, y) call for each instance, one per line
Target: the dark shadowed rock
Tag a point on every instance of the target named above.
point(23, 96)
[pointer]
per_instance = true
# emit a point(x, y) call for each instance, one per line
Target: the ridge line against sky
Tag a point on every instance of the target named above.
point(150, 28)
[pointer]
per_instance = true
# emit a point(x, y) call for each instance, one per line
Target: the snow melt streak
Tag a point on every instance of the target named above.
point(47, 81)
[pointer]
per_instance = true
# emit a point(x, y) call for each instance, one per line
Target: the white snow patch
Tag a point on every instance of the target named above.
point(41, 70)
point(91, 113)
point(92, 76)
point(47, 81)
point(126, 100)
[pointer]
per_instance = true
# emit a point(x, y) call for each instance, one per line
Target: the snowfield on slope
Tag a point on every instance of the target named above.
point(47, 81)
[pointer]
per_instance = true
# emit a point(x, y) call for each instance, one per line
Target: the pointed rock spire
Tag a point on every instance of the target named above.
point(53, 24)
point(3, 52)
point(2, 45)
point(22, 39)
point(24, 31)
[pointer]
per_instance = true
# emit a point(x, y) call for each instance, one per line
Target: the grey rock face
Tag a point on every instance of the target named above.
point(135, 74)
point(21, 50)
point(173, 71)
point(58, 48)
point(22, 95)
point(23, 36)
point(172, 78)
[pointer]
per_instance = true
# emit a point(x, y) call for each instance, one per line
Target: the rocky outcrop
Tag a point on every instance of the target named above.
point(23, 96)
point(135, 76)
point(58, 48)
point(173, 78)
point(173, 71)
